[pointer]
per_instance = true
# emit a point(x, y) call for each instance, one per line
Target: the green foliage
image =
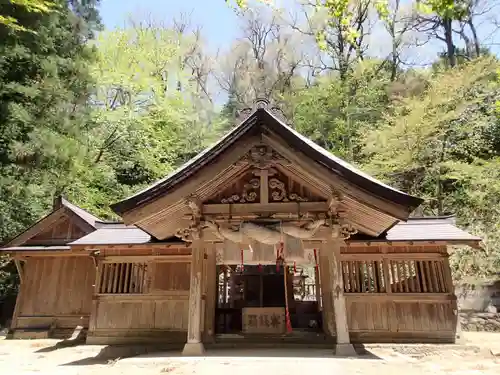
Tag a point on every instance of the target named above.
point(444, 145)
point(334, 114)
point(33, 6)
point(452, 9)
point(44, 86)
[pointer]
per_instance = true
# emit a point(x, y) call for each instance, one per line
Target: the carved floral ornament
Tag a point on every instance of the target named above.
point(279, 192)
point(247, 195)
point(263, 157)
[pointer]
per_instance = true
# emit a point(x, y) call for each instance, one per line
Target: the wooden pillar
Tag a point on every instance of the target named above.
point(326, 287)
point(20, 295)
point(450, 288)
point(95, 302)
point(194, 346)
point(211, 290)
point(332, 250)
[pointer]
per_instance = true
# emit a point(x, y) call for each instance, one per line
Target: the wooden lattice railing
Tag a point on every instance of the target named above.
point(123, 278)
point(395, 276)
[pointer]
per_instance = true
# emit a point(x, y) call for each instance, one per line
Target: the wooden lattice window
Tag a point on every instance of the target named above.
point(123, 278)
point(363, 276)
point(417, 276)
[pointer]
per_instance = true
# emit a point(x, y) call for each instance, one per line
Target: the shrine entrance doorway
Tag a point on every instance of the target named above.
point(266, 299)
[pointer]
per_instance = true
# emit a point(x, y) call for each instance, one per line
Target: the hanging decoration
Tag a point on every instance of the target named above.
point(280, 259)
point(242, 261)
point(294, 267)
point(315, 259)
point(260, 268)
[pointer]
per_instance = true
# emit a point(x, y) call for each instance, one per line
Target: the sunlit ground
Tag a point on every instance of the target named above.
point(480, 354)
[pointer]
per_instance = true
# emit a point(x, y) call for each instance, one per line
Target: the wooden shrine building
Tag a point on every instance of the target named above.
point(264, 233)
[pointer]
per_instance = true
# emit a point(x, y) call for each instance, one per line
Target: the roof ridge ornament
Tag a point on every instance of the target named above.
point(262, 103)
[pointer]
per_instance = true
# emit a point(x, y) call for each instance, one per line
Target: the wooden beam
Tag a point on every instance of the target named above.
point(402, 297)
point(23, 255)
point(263, 208)
point(20, 270)
point(145, 258)
point(156, 296)
point(392, 256)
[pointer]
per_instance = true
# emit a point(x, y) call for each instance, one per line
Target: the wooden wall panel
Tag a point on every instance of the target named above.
point(172, 315)
point(171, 276)
point(425, 317)
point(364, 316)
point(57, 286)
point(125, 315)
point(400, 320)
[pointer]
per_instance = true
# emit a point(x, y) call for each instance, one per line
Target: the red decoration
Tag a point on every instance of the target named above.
point(260, 268)
point(294, 267)
point(315, 259)
point(288, 323)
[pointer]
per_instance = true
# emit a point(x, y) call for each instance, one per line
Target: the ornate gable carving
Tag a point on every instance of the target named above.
point(245, 189)
point(264, 174)
point(262, 157)
point(283, 188)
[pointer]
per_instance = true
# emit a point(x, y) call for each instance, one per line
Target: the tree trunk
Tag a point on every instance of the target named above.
point(450, 47)
point(477, 44)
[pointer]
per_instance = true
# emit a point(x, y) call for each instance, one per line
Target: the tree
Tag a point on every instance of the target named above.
point(335, 118)
point(443, 145)
point(33, 6)
point(145, 112)
point(44, 87)
point(264, 62)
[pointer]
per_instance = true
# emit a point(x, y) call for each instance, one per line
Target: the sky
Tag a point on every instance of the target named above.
point(217, 19)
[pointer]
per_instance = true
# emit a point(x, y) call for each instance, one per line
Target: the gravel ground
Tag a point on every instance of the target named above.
point(476, 356)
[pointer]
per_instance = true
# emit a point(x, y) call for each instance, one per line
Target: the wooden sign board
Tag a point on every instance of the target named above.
point(264, 320)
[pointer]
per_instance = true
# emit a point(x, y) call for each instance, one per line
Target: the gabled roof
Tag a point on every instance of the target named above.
point(62, 208)
point(254, 124)
point(81, 213)
point(416, 229)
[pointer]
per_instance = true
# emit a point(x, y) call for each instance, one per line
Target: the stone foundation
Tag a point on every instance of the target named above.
point(480, 321)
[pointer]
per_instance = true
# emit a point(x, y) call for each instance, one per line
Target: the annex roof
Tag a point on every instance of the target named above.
point(62, 208)
point(429, 229)
point(115, 234)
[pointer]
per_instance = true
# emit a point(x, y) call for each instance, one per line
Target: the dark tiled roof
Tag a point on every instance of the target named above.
point(254, 123)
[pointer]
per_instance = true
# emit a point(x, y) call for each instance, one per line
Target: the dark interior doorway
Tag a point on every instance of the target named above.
point(260, 286)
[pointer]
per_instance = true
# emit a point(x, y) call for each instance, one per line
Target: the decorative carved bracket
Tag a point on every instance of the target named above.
point(334, 203)
point(193, 231)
